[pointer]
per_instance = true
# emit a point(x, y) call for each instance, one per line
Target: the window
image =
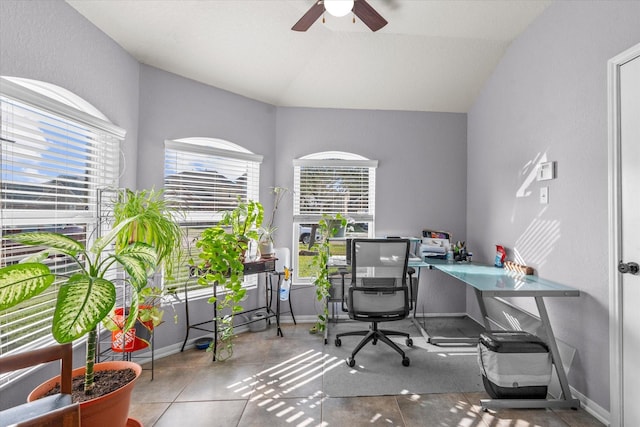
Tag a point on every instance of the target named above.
point(57, 153)
point(330, 183)
point(203, 177)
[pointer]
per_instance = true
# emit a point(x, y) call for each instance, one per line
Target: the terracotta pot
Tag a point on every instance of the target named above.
point(110, 410)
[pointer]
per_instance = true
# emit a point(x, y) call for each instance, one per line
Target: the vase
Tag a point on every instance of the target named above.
point(266, 249)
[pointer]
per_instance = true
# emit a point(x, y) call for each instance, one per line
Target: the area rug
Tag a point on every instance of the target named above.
point(379, 370)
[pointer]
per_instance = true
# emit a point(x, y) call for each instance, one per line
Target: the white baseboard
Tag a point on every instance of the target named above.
point(592, 407)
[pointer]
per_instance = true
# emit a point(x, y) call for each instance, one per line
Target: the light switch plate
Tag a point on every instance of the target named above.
point(544, 195)
point(546, 171)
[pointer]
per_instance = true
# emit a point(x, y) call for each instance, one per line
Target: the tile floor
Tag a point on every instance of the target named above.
point(191, 390)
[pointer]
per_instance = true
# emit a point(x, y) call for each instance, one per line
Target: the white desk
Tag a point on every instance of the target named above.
point(489, 281)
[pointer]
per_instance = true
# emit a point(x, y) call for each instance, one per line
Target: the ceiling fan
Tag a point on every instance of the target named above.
point(360, 8)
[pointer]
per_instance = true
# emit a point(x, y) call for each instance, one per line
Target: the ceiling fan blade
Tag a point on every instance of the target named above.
point(368, 15)
point(310, 17)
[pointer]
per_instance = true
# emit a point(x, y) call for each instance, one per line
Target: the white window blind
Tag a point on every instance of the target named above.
point(331, 186)
point(330, 183)
point(203, 178)
point(54, 160)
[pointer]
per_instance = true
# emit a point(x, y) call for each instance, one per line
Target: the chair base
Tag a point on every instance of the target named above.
point(374, 334)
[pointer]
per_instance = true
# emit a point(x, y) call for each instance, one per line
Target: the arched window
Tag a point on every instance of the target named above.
point(57, 153)
point(204, 177)
point(331, 182)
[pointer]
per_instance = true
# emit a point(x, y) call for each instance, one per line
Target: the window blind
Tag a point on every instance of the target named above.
point(334, 186)
point(54, 159)
point(203, 178)
point(330, 183)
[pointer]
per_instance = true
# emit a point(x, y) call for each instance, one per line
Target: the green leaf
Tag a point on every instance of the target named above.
point(56, 241)
point(108, 238)
point(133, 312)
point(137, 259)
point(20, 282)
point(38, 257)
point(141, 251)
point(83, 302)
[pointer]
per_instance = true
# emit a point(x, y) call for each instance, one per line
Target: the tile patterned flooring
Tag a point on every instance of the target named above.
point(191, 390)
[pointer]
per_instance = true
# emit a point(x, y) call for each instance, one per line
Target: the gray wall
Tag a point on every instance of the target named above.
point(173, 107)
point(420, 180)
point(49, 41)
point(548, 97)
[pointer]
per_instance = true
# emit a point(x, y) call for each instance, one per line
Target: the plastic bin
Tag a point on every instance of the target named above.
point(514, 365)
point(259, 321)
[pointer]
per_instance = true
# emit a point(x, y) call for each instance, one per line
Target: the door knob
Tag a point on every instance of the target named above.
point(630, 267)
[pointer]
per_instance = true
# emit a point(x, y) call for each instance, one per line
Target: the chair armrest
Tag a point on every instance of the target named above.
point(54, 410)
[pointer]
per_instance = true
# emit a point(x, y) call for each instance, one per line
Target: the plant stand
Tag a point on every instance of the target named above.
point(280, 277)
point(263, 265)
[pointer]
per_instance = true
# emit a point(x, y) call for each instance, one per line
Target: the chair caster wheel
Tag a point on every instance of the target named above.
point(406, 361)
point(351, 362)
point(409, 342)
point(338, 342)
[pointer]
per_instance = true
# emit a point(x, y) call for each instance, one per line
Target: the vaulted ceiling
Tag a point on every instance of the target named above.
point(433, 55)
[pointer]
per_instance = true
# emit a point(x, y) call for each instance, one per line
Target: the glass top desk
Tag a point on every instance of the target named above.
point(490, 281)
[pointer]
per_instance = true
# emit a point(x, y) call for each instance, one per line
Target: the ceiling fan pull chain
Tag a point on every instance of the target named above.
point(323, 18)
point(353, 18)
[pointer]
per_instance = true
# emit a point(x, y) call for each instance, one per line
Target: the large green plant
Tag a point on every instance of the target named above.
point(244, 220)
point(221, 264)
point(157, 225)
point(328, 227)
point(85, 298)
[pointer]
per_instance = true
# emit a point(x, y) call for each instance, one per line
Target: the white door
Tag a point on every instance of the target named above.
point(624, 121)
point(630, 236)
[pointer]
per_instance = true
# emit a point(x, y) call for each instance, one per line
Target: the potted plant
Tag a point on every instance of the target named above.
point(156, 225)
point(243, 222)
point(223, 248)
point(84, 299)
point(267, 231)
point(150, 315)
point(328, 227)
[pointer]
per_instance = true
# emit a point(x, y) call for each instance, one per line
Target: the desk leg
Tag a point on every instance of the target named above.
point(418, 326)
point(483, 310)
point(565, 401)
point(414, 320)
point(555, 353)
point(441, 340)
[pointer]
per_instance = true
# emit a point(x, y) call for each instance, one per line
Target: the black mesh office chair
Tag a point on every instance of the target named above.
point(378, 291)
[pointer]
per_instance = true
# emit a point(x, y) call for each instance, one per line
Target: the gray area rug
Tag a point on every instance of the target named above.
point(379, 370)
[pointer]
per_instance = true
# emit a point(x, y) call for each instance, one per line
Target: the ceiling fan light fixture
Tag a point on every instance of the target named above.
point(338, 8)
